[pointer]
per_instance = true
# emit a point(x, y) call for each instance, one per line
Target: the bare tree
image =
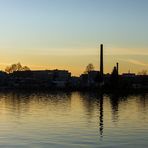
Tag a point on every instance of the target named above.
point(143, 72)
point(89, 68)
point(16, 67)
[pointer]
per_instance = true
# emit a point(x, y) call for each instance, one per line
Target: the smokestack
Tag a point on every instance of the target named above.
point(101, 59)
point(118, 68)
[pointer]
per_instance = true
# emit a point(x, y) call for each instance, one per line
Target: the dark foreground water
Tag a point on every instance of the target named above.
point(73, 120)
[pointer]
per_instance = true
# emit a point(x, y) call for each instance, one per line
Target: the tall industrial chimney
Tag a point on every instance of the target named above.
point(101, 60)
point(118, 68)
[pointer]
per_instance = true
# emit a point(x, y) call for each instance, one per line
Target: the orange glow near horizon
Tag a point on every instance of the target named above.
point(124, 67)
point(76, 63)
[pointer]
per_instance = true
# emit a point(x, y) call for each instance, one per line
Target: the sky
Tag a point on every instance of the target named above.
point(66, 34)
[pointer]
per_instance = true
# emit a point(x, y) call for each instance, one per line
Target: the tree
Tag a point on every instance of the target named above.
point(89, 68)
point(16, 67)
point(143, 72)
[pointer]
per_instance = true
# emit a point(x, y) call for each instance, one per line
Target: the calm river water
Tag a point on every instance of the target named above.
point(73, 120)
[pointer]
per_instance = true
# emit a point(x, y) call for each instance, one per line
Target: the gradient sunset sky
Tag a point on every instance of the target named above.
point(66, 34)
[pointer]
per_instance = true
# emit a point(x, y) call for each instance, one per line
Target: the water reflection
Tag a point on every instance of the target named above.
point(101, 115)
point(115, 100)
point(90, 102)
point(94, 102)
point(118, 102)
point(21, 103)
point(143, 101)
point(72, 119)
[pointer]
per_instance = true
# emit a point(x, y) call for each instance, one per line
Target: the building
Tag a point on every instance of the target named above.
point(40, 79)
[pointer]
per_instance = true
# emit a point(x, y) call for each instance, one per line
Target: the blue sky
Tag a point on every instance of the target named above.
point(43, 28)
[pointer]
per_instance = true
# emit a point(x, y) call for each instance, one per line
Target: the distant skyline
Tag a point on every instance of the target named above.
point(66, 34)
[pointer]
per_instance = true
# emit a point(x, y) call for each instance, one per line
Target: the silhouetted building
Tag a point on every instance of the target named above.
point(114, 78)
point(128, 75)
point(39, 79)
point(90, 80)
point(93, 78)
point(74, 82)
point(3, 79)
point(61, 78)
point(84, 80)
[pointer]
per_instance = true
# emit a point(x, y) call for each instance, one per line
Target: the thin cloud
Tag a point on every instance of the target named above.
point(124, 51)
point(136, 62)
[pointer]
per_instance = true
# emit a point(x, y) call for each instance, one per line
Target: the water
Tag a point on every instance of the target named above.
point(73, 120)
